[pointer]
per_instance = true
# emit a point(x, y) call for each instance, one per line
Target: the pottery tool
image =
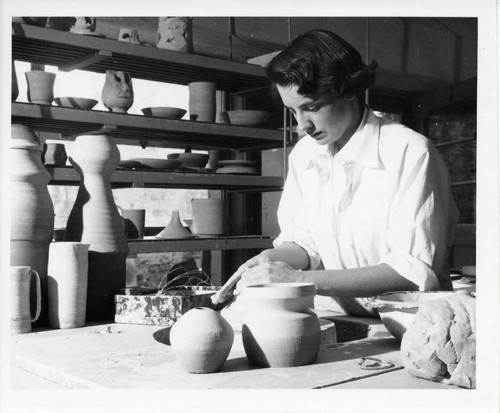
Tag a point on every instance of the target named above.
point(226, 292)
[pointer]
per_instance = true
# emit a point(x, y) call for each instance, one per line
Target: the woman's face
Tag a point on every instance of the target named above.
point(326, 119)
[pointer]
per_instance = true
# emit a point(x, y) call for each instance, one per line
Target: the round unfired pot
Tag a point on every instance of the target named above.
point(281, 330)
point(201, 340)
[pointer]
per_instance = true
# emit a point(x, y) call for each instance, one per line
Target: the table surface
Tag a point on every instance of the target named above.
point(130, 356)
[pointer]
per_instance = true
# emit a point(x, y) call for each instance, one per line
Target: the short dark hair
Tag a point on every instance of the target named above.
point(320, 61)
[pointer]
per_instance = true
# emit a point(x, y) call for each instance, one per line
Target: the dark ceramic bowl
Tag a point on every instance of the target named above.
point(190, 160)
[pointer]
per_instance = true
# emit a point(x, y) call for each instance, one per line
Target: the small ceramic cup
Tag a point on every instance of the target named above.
point(129, 36)
point(55, 154)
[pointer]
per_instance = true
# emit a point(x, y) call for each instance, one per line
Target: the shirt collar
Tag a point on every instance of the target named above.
point(362, 148)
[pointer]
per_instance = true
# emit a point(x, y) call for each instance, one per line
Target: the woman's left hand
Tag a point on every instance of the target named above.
point(269, 272)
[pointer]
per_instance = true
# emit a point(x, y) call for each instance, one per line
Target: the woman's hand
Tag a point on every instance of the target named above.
point(227, 288)
point(267, 272)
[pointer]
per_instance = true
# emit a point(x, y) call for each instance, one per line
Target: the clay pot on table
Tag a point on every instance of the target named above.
point(280, 330)
point(117, 92)
point(31, 208)
point(201, 340)
point(95, 220)
point(40, 86)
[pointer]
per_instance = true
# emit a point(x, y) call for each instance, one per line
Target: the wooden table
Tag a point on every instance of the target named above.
point(127, 356)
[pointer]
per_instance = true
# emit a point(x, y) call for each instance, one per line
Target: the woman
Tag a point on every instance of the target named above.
point(366, 207)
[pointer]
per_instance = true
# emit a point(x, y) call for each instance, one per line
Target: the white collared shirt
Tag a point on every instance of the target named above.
point(383, 198)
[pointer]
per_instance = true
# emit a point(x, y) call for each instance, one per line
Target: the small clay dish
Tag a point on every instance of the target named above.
point(78, 103)
point(164, 112)
point(152, 163)
point(398, 308)
point(189, 159)
point(248, 117)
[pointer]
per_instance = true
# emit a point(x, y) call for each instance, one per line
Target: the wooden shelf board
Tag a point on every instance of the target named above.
point(63, 49)
point(166, 179)
point(134, 129)
point(199, 244)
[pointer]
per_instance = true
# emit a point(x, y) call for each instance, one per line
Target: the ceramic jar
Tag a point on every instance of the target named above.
point(40, 86)
point(134, 221)
point(31, 208)
point(117, 93)
point(280, 330)
point(201, 340)
point(174, 229)
point(55, 154)
point(209, 216)
point(175, 33)
point(202, 101)
point(95, 220)
point(20, 309)
point(67, 284)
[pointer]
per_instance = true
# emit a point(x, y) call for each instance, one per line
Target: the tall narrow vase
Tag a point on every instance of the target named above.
point(67, 284)
point(95, 220)
point(31, 208)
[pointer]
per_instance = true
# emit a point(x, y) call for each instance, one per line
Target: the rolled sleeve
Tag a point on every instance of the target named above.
point(419, 227)
point(292, 221)
point(412, 269)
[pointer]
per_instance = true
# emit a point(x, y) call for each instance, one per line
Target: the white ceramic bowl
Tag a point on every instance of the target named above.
point(248, 117)
point(164, 112)
point(398, 308)
point(78, 103)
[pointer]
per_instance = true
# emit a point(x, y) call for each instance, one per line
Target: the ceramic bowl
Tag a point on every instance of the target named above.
point(190, 160)
point(164, 112)
point(78, 103)
point(248, 117)
point(153, 163)
point(398, 308)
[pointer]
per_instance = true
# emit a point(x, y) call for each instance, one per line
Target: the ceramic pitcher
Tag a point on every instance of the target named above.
point(20, 309)
point(67, 284)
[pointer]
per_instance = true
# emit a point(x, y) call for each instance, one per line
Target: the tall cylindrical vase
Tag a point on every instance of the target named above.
point(202, 101)
point(67, 284)
point(95, 220)
point(31, 208)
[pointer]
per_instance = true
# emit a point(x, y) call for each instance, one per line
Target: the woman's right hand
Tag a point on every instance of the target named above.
point(227, 289)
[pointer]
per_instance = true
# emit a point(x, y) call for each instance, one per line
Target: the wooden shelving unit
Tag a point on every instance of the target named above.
point(69, 51)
